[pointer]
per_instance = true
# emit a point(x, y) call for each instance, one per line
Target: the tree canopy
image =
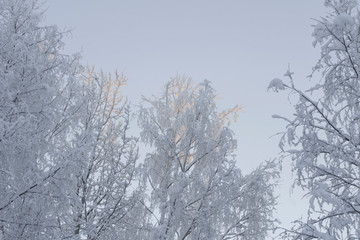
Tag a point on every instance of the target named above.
point(323, 137)
point(70, 169)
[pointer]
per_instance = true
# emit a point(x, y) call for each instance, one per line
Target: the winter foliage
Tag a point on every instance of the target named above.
point(323, 137)
point(38, 104)
point(70, 170)
point(196, 188)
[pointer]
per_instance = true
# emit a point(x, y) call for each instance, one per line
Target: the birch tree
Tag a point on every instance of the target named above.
point(66, 162)
point(102, 197)
point(37, 104)
point(197, 191)
point(323, 138)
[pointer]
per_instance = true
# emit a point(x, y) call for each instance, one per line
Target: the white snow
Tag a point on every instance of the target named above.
point(276, 84)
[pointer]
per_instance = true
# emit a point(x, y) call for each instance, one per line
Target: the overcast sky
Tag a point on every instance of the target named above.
point(237, 45)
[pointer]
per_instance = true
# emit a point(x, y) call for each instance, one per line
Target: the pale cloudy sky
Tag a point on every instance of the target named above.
point(239, 45)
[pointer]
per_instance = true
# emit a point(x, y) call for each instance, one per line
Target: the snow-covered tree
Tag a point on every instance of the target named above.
point(323, 138)
point(37, 104)
point(102, 197)
point(67, 163)
point(197, 191)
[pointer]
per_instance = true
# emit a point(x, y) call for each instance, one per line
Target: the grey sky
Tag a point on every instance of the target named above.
point(238, 45)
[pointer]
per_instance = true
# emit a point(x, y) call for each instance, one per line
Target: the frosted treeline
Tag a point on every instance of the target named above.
point(70, 170)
